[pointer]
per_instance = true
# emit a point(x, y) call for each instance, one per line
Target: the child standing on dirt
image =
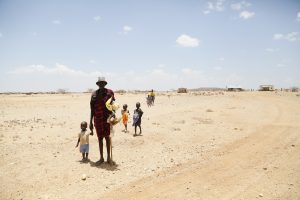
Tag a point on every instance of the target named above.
point(112, 120)
point(137, 118)
point(83, 138)
point(125, 114)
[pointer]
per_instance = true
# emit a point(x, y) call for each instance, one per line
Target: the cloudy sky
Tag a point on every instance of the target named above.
point(136, 44)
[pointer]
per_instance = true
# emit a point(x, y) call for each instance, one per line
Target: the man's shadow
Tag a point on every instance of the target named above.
point(110, 167)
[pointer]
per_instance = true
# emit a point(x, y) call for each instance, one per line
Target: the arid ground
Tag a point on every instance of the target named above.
point(212, 145)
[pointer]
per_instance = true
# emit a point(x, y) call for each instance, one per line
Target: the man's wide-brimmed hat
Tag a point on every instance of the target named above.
point(101, 79)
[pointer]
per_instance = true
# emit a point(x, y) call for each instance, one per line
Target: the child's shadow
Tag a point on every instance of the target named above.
point(83, 161)
point(105, 165)
point(137, 135)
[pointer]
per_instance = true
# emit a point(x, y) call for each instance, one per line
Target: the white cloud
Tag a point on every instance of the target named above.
point(233, 79)
point(130, 73)
point(92, 61)
point(158, 71)
point(126, 29)
point(195, 78)
point(236, 6)
point(246, 14)
point(56, 22)
point(187, 41)
point(240, 5)
point(298, 16)
point(185, 77)
point(54, 77)
point(186, 71)
point(217, 5)
point(206, 12)
point(284, 63)
point(278, 36)
point(154, 78)
point(158, 78)
point(189, 71)
point(59, 69)
point(271, 50)
point(218, 68)
point(292, 37)
point(281, 65)
point(292, 81)
point(1, 35)
point(221, 59)
point(161, 66)
point(97, 18)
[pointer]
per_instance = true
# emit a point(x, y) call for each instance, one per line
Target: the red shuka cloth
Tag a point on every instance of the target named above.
point(101, 113)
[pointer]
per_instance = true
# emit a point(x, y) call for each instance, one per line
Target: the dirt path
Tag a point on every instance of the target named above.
point(265, 164)
point(214, 146)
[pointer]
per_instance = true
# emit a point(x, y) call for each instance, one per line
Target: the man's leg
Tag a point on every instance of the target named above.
point(100, 139)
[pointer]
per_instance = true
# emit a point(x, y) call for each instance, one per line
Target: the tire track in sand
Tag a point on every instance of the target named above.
point(263, 165)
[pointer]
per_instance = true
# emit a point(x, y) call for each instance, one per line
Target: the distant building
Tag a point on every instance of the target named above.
point(294, 89)
point(182, 90)
point(266, 88)
point(235, 89)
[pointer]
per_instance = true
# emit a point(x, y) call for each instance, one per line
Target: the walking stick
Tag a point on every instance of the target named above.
point(111, 154)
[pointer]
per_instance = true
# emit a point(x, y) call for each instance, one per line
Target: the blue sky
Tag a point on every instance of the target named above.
point(135, 44)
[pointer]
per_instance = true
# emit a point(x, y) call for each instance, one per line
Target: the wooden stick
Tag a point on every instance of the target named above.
point(111, 154)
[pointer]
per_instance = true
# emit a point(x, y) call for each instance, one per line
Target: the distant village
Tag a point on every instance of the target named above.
point(270, 88)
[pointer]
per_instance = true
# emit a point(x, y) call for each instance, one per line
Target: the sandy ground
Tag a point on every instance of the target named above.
point(220, 146)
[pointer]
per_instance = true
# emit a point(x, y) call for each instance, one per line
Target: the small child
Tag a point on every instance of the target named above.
point(112, 119)
point(125, 114)
point(83, 138)
point(149, 101)
point(137, 118)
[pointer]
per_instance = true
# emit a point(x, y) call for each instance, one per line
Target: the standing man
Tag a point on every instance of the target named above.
point(100, 114)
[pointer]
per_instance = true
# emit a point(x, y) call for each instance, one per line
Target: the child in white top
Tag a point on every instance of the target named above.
point(83, 138)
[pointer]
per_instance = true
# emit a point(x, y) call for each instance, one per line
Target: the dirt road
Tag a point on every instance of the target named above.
point(194, 146)
point(265, 165)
